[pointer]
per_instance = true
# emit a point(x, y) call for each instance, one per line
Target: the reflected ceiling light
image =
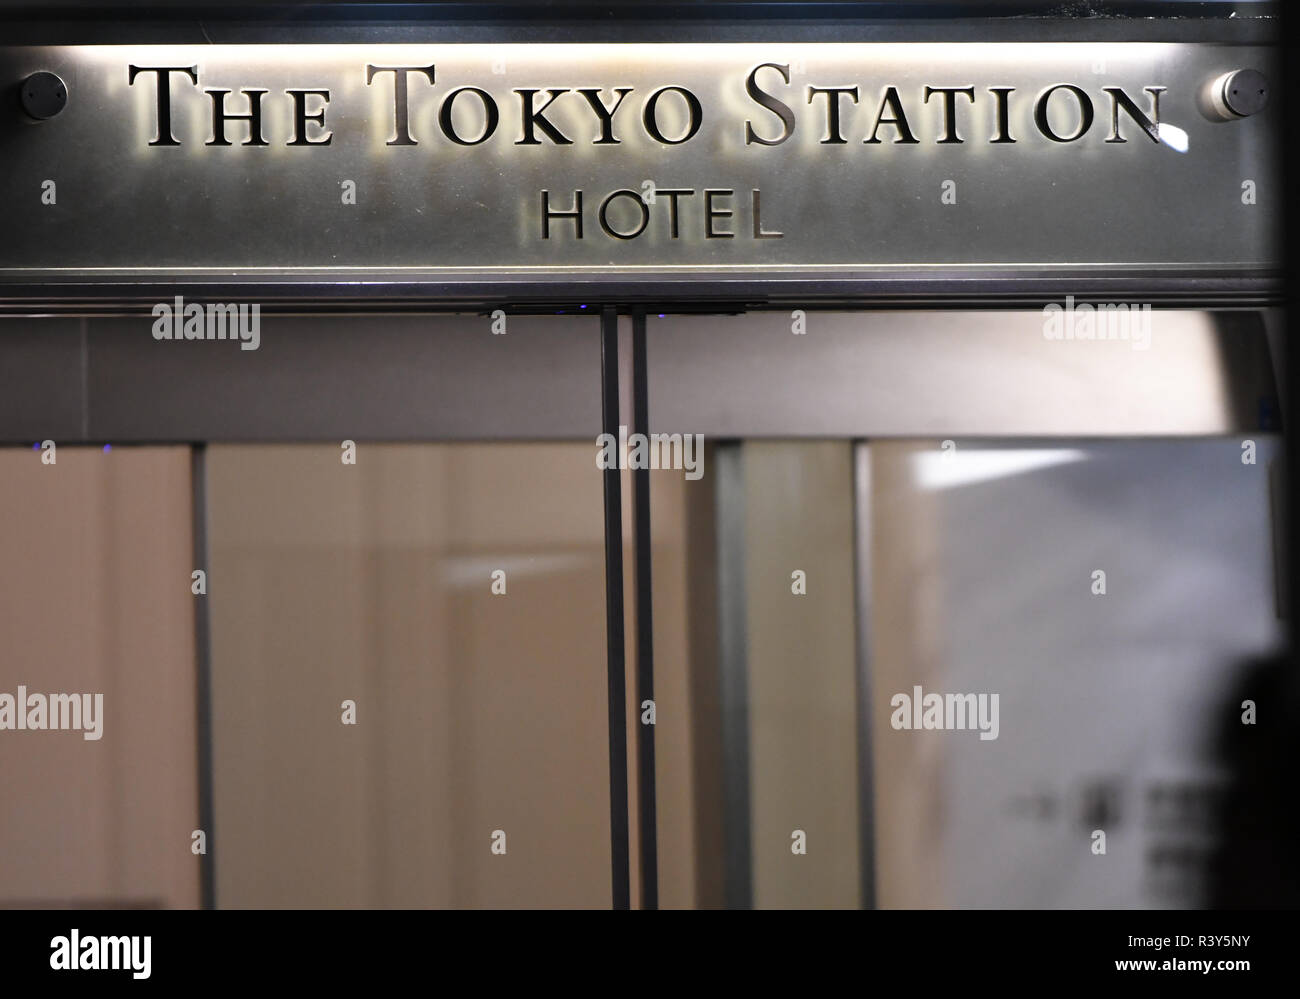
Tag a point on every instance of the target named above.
point(476, 570)
point(1172, 136)
point(946, 469)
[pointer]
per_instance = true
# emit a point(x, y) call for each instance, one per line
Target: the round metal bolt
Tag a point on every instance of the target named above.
point(43, 95)
point(1239, 94)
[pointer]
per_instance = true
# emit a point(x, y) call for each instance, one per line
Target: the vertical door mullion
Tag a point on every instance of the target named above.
point(645, 756)
point(615, 665)
point(203, 676)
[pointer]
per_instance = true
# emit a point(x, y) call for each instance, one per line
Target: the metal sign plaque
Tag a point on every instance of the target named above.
point(755, 158)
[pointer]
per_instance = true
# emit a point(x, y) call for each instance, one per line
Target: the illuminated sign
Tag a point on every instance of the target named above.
point(642, 159)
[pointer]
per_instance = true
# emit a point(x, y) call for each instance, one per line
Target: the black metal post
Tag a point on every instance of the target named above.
point(618, 820)
point(203, 677)
point(645, 662)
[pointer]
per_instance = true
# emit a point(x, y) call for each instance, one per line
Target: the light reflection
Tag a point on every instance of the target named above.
point(946, 469)
point(1172, 136)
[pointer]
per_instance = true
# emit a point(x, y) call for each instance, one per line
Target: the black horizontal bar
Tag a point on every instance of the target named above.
point(553, 10)
point(993, 288)
point(1187, 23)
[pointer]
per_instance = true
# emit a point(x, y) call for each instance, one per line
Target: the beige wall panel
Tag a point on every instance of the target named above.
point(95, 598)
point(802, 686)
point(475, 712)
point(906, 622)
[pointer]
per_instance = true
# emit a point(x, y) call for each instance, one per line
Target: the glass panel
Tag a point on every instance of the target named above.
point(1109, 606)
point(479, 716)
point(97, 627)
point(681, 613)
point(757, 761)
point(802, 680)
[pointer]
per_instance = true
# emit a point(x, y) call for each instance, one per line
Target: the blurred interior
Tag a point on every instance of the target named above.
point(947, 484)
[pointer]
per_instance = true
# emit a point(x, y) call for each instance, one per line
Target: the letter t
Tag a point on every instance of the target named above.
point(165, 137)
point(401, 117)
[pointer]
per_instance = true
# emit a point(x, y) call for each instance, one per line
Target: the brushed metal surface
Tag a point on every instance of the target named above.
point(395, 378)
point(441, 210)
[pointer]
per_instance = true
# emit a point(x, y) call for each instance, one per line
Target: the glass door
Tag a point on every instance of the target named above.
point(785, 608)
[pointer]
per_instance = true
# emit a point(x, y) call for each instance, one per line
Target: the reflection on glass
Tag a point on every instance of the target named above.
point(1111, 596)
point(409, 676)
